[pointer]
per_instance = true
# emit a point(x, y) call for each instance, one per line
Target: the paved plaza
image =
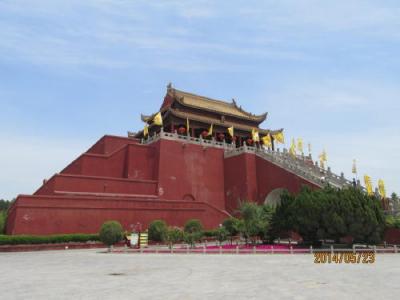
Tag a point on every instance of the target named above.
point(90, 274)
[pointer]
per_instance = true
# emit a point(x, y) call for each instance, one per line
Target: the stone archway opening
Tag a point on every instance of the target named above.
point(274, 197)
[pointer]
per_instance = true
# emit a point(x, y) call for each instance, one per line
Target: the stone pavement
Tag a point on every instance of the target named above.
point(89, 274)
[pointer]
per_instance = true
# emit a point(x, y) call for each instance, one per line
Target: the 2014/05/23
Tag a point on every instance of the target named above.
point(344, 257)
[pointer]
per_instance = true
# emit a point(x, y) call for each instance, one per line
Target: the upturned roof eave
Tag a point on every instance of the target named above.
point(248, 116)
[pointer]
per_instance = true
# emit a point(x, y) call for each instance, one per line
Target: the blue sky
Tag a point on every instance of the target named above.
point(72, 71)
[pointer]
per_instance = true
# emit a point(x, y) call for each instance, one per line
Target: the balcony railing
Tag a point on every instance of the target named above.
point(299, 165)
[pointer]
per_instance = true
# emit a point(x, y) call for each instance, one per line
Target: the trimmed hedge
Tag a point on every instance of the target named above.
point(111, 232)
point(47, 239)
point(157, 231)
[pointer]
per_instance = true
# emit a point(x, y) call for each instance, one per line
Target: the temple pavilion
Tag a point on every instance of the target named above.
point(189, 114)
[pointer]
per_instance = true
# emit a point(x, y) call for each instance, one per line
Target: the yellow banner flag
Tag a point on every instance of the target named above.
point(279, 137)
point(381, 187)
point(292, 149)
point(322, 164)
point(368, 185)
point(157, 120)
point(146, 131)
point(255, 135)
point(354, 167)
point(267, 140)
point(300, 145)
point(231, 131)
point(210, 131)
point(323, 157)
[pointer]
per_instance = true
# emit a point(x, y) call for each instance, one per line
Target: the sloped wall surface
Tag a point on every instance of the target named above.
point(120, 179)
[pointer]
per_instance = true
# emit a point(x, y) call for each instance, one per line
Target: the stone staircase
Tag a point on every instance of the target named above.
point(300, 165)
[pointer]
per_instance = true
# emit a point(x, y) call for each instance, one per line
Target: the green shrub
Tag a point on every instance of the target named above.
point(157, 231)
point(193, 232)
point(46, 239)
point(209, 233)
point(389, 221)
point(221, 234)
point(392, 222)
point(192, 237)
point(3, 216)
point(111, 232)
point(193, 226)
point(173, 235)
point(330, 213)
point(254, 222)
point(231, 225)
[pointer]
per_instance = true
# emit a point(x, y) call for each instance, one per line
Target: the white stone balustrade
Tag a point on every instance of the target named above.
point(300, 165)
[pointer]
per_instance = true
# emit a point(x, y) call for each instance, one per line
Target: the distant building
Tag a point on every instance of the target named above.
point(207, 156)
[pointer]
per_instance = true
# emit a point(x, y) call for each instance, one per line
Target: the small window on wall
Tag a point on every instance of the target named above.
point(223, 119)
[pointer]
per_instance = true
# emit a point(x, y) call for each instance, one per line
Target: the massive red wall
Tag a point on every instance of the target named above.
point(271, 177)
point(191, 172)
point(249, 177)
point(58, 214)
point(240, 180)
point(141, 162)
point(79, 183)
point(109, 143)
point(129, 182)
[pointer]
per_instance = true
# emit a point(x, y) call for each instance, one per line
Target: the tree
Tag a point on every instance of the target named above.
point(221, 234)
point(193, 232)
point(111, 232)
point(394, 196)
point(230, 225)
point(392, 221)
point(3, 217)
point(267, 214)
point(158, 230)
point(193, 225)
point(4, 204)
point(282, 220)
point(173, 235)
point(331, 214)
point(395, 202)
point(254, 222)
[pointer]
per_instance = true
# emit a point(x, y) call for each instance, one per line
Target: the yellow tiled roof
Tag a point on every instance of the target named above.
point(214, 105)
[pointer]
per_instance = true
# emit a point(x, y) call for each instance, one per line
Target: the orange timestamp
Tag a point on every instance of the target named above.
point(344, 257)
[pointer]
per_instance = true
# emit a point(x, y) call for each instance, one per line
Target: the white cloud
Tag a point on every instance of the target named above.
point(372, 18)
point(350, 119)
point(124, 34)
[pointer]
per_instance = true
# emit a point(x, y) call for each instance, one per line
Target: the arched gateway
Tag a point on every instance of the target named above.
point(274, 197)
